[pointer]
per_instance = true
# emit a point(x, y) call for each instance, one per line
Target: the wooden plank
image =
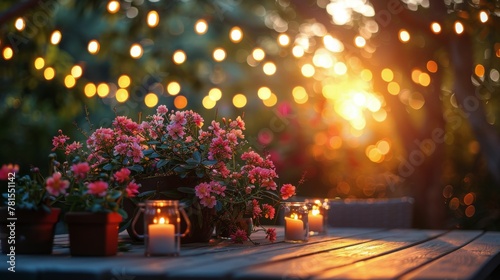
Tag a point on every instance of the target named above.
point(475, 260)
point(393, 265)
point(305, 266)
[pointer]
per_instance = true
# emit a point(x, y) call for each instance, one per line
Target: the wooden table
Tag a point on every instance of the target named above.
point(345, 253)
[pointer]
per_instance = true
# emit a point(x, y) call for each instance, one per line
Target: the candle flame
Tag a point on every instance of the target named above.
point(315, 212)
point(162, 220)
point(294, 216)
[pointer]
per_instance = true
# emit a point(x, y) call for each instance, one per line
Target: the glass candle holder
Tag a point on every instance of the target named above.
point(296, 222)
point(318, 215)
point(162, 227)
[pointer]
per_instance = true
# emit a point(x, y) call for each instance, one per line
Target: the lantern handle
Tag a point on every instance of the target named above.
point(140, 206)
point(186, 218)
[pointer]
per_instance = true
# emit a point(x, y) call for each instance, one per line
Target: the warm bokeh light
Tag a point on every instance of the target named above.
point(39, 63)
point(113, 6)
point(93, 47)
point(300, 95)
point(387, 75)
point(236, 34)
point(124, 81)
point(180, 102)
point(298, 51)
point(201, 26)
point(470, 211)
point(215, 94)
point(393, 88)
point(366, 75)
point(49, 73)
point(415, 75)
point(173, 88)
point(102, 90)
point(432, 66)
point(483, 16)
point(56, 37)
point(136, 51)
point(269, 68)
point(340, 68)
point(264, 93)
point(271, 101)
point(459, 27)
point(258, 54)
point(469, 199)
point(90, 90)
point(416, 100)
point(359, 41)
point(424, 79)
point(404, 36)
point(219, 54)
point(76, 71)
point(179, 57)
point(20, 24)
point(479, 70)
point(153, 18)
point(239, 100)
point(307, 70)
point(333, 44)
point(8, 53)
point(121, 95)
point(151, 100)
point(436, 27)
point(69, 81)
point(208, 103)
point(283, 40)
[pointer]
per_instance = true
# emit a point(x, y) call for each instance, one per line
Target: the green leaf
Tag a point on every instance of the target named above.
point(108, 167)
point(192, 162)
point(153, 142)
point(161, 163)
point(209, 162)
point(146, 194)
point(197, 156)
point(187, 190)
point(136, 168)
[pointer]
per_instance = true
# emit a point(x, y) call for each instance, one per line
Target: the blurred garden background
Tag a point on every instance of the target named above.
point(364, 99)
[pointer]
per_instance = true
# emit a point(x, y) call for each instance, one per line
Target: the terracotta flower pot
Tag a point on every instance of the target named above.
point(31, 233)
point(93, 234)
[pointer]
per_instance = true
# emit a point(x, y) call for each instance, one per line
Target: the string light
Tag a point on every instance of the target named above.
point(8, 53)
point(76, 71)
point(459, 27)
point(90, 90)
point(236, 34)
point(483, 16)
point(404, 36)
point(173, 88)
point(56, 37)
point(239, 100)
point(208, 103)
point(219, 54)
point(20, 24)
point(215, 94)
point(122, 95)
point(283, 40)
point(113, 6)
point(269, 68)
point(69, 81)
point(102, 90)
point(136, 51)
point(124, 81)
point(49, 73)
point(436, 27)
point(179, 57)
point(258, 54)
point(264, 93)
point(93, 47)
point(151, 100)
point(201, 26)
point(180, 102)
point(153, 18)
point(39, 63)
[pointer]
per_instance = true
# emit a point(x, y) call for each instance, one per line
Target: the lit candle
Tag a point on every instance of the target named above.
point(315, 221)
point(161, 238)
point(294, 228)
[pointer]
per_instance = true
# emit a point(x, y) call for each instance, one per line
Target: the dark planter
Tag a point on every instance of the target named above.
point(93, 234)
point(165, 187)
point(33, 231)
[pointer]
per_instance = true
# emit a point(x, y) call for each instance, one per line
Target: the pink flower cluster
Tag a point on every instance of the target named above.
point(6, 169)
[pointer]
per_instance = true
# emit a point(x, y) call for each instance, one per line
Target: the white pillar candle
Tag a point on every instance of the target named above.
point(315, 222)
point(161, 238)
point(294, 229)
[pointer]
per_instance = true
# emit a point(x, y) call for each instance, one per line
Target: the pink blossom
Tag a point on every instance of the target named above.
point(55, 186)
point(208, 201)
point(6, 169)
point(287, 191)
point(239, 236)
point(122, 175)
point(268, 211)
point(59, 141)
point(178, 118)
point(202, 190)
point(175, 131)
point(271, 234)
point(162, 110)
point(256, 211)
point(80, 170)
point(71, 148)
point(132, 189)
point(97, 188)
point(135, 152)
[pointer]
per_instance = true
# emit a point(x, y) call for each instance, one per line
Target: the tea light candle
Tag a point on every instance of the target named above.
point(161, 238)
point(315, 221)
point(294, 228)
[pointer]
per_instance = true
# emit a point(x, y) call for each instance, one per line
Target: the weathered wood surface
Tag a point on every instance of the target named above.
point(345, 253)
